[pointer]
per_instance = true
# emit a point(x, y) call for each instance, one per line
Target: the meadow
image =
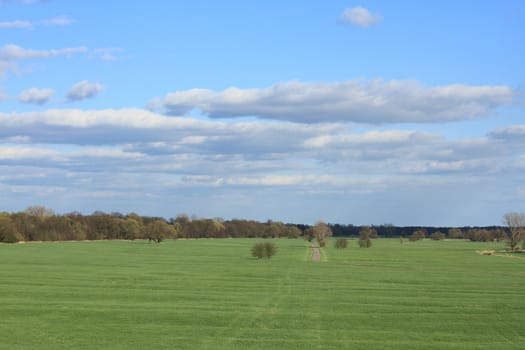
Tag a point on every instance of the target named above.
point(211, 294)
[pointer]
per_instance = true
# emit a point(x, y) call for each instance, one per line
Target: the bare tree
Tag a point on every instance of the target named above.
point(321, 232)
point(39, 211)
point(516, 224)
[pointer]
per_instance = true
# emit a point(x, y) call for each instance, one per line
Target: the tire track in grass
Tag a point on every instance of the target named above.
point(263, 311)
point(316, 257)
point(316, 253)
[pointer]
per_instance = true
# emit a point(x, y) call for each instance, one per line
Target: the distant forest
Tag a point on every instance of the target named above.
point(38, 223)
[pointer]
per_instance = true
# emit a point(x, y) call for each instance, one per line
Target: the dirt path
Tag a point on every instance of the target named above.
point(316, 253)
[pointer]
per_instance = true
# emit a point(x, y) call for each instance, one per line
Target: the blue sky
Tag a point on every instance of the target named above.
point(368, 112)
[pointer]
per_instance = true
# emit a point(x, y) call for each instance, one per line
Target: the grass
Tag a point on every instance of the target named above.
point(211, 294)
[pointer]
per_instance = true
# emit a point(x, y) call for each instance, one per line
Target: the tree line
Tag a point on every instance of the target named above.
point(42, 224)
point(39, 223)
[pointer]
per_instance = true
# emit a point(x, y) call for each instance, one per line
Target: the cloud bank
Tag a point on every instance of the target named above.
point(107, 155)
point(359, 101)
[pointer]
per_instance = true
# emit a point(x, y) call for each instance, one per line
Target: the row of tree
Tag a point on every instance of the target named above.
point(42, 224)
point(39, 223)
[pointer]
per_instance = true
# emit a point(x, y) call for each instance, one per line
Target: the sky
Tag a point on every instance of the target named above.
point(367, 112)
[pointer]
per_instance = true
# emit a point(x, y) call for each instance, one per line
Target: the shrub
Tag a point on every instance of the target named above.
point(437, 236)
point(364, 237)
point(264, 250)
point(364, 243)
point(341, 243)
point(455, 233)
point(480, 235)
point(258, 250)
point(159, 230)
point(270, 249)
point(8, 231)
point(417, 235)
point(12, 237)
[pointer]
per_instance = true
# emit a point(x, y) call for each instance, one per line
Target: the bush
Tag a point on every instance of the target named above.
point(8, 231)
point(437, 236)
point(480, 235)
point(12, 237)
point(364, 237)
point(264, 250)
point(417, 235)
point(159, 230)
point(364, 242)
point(341, 243)
point(258, 250)
point(455, 233)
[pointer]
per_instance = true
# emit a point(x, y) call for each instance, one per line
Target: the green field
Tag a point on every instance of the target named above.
point(210, 294)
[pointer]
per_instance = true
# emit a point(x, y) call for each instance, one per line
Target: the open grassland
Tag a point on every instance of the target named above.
point(210, 294)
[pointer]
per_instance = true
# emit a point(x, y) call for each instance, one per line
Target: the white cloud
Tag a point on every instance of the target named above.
point(36, 96)
point(3, 95)
point(57, 21)
point(374, 101)
point(25, 153)
point(251, 146)
point(84, 90)
point(107, 54)
point(117, 151)
point(15, 52)
point(22, 1)
point(16, 139)
point(360, 16)
point(7, 67)
point(19, 24)
point(512, 132)
point(369, 138)
point(153, 132)
point(16, 24)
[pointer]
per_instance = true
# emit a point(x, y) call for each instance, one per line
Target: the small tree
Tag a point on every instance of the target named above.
point(479, 235)
point(258, 250)
point(8, 231)
point(264, 250)
point(321, 232)
point(159, 230)
point(293, 232)
point(309, 234)
point(455, 233)
point(437, 236)
point(417, 235)
point(364, 237)
point(341, 243)
point(516, 225)
point(270, 250)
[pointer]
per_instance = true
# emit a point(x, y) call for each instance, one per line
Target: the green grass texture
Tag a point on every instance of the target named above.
point(211, 294)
